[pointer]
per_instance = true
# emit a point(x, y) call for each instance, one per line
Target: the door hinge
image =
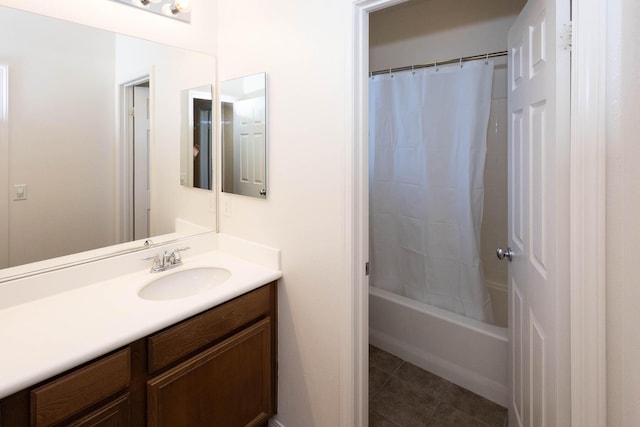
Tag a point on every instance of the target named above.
point(566, 36)
point(366, 268)
point(132, 112)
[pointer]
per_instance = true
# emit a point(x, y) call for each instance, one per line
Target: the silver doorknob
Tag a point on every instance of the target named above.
point(502, 254)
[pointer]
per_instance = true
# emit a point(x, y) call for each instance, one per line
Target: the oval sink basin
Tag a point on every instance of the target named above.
point(184, 283)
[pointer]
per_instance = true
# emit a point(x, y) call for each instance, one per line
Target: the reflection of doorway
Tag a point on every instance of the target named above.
point(135, 197)
point(227, 155)
point(202, 139)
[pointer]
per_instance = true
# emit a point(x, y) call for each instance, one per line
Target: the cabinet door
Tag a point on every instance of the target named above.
point(228, 385)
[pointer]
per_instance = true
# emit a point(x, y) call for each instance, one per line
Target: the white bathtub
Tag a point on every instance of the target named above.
point(469, 353)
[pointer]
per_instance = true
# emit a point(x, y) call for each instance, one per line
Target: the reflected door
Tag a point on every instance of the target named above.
point(202, 138)
point(141, 186)
point(249, 147)
point(539, 91)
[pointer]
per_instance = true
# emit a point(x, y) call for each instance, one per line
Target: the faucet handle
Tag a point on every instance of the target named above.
point(156, 261)
point(176, 254)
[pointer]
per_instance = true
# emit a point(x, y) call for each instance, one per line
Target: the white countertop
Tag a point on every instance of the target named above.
point(46, 336)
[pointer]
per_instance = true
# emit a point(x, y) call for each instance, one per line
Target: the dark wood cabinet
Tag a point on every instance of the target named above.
point(226, 385)
point(70, 394)
point(217, 368)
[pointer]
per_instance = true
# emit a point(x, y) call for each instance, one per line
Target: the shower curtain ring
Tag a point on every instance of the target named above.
point(460, 62)
point(413, 71)
point(437, 69)
point(486, 59)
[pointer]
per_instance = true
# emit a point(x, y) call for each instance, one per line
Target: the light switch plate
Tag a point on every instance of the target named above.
point(20, 192)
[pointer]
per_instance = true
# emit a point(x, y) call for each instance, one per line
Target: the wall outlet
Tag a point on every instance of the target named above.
point(20, 192)
point(226, 206)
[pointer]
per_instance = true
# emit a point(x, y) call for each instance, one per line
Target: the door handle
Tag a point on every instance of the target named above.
point(502, 254)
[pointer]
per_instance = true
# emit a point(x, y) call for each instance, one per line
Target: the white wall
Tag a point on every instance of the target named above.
point(303, 46)
point(198, 35)
point(623, 205)
point(423, 31)
point(57, 132)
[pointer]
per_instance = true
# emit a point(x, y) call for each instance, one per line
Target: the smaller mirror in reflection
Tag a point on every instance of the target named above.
point(197, 138)
point(244, 135)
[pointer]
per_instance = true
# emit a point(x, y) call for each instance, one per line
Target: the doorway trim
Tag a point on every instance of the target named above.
point(587, 224)
point(124, 158)
point(588, 213)
point(355, 378)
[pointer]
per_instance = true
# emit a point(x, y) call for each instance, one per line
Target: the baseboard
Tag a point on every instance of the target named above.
point(502, 287)
point(275, 423)
point(459, 375)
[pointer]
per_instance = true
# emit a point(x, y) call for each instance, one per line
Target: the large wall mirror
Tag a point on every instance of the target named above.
point(90, 142)
point(243, 111)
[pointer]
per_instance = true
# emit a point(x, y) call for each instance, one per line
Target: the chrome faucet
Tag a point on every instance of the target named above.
point(167, 260)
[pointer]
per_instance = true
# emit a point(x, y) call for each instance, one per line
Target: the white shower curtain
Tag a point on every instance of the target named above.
point(427, 146)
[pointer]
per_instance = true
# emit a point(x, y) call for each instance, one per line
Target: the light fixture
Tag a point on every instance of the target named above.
point(178, 6)
point(178, 9)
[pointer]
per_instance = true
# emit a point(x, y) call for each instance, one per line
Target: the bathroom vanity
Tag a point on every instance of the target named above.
point(88, 346)
point(217, 368)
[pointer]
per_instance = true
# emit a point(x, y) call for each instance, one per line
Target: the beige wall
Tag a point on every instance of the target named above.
point(623, 205)
point(422, 31)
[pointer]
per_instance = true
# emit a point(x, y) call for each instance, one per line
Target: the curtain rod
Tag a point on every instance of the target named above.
point(436, 63)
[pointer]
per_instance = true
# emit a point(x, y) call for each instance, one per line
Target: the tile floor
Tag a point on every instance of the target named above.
point(403, 395)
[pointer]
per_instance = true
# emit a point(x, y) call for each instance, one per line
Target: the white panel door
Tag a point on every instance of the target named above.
point(141, 178)
point(249, 147)
point(539, 91)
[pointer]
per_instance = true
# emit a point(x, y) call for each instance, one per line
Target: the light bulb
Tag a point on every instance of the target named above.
point(178, 6)
point(183, 5)
point(168, 9)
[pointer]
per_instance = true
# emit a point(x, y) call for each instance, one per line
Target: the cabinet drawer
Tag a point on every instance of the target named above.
point(78, 390)
point(172, 344)
point(116, 413)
